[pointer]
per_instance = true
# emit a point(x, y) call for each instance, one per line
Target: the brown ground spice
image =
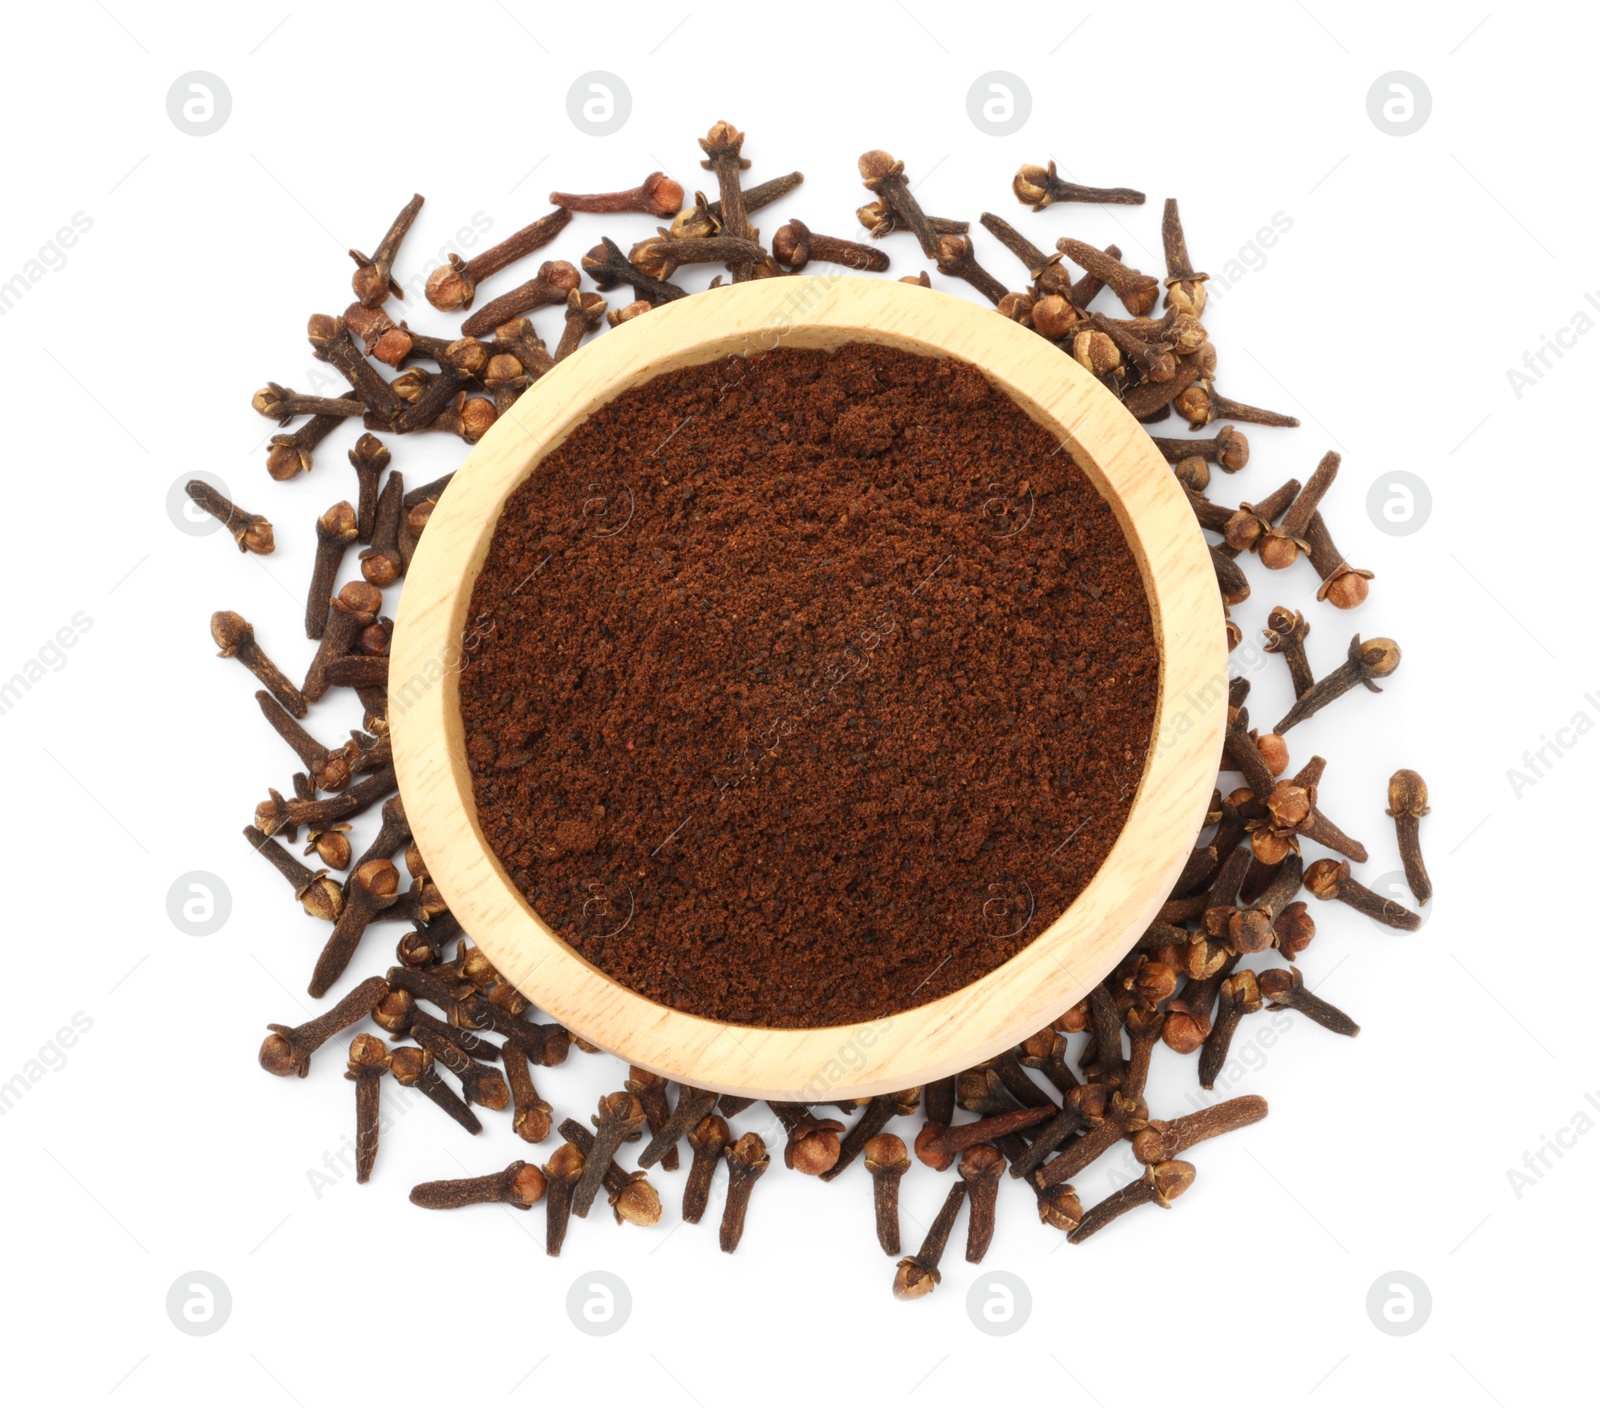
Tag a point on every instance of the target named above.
point(806, 687)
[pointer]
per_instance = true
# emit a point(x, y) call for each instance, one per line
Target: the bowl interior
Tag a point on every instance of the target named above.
point(1007, 1004)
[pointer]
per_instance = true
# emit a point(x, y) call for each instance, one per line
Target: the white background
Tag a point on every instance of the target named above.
point(1417, 271)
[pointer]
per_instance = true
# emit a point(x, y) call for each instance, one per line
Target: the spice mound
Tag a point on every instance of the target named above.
point(807, 687)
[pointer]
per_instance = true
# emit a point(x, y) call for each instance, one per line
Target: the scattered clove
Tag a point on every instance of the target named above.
point(336, 530)
point(705, 219)
point(723, 146)
point(1238, 995)
point(531, 1119)
point(380, 563)
point(373, 280)
point(455, 285)
point(1285, 987)
point(980, 1169)
point(886, 178)
point(251, 531)
point(1161, 1140)
point(554, 281)
point(794, 246)
point(1408, 804)
point(1365, 661)
point(561, 1174)
point(519, 1184)
point(236, 640)
point(413, 1068)
point(918, 1275)
point(1286, 634)
point(288, 1050)
point(351, 611)
point(1040, 186)
point(955, 257)
point(747, 1161)
point(938, 1145)
point(1161, 1183)
point(369, 1060)
point(887, 1161)
point(1342, 586)
point(1228, 449)
point(373, 887)
point(289, 455)
point(1137, 291)
point(707, 1142)
point(320, 895)
point(608, 266)
point(878, 1112)
point(620, 1117)
point(658, 194)
point(1331, 880)
point(1186, 290)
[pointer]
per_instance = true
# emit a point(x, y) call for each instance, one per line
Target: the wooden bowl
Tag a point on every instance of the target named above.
point(1008, 1004)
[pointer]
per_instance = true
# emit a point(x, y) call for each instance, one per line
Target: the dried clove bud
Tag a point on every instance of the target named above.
point(886, 178)
point(369, 1059)
point(918, 1276)
point(747, 1161)
point(939, 1145)
point(723, 145)
point(1285, 987)
point(531, 1119)
point(658, 195)
point(1160, 1185)
point(707, 1142)
point(554, 281)
point(373, 280)
point(1342, 586)
point(1060, 1207)
point(1331, 880)
point(794, 246)
point(413, 1068)
point(336, 530)
point(955, 257)
point(373, 887)
point(380, 563)
point(1238, 995)
point(1137, 291)
point(289, 455)
point(887, 1161)
point(561, 1173)
point(878, 1112)
point(251, 532)
point(1283, 542)
point(236, 639)
point(1186, 290)
point(980, 1169)
point(1161, 1140)
point(1286, 633)
point(706, 218)
point(519, 1184)
point(1366, 661)
point(1408, 804)
point(320, 895)
point(620, 1117)
point(1039, 186)
point(1228, 449)
point(288, 1050)
point(813, 1144)
point(455, 284)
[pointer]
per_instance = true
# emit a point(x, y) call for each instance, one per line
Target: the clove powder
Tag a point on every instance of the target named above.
point(807, 687)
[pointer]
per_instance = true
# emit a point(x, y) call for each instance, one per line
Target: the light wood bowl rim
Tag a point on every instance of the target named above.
point(1006, 1005)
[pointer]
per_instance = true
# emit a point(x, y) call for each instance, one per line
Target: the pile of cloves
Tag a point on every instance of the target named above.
point(470, 1041)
